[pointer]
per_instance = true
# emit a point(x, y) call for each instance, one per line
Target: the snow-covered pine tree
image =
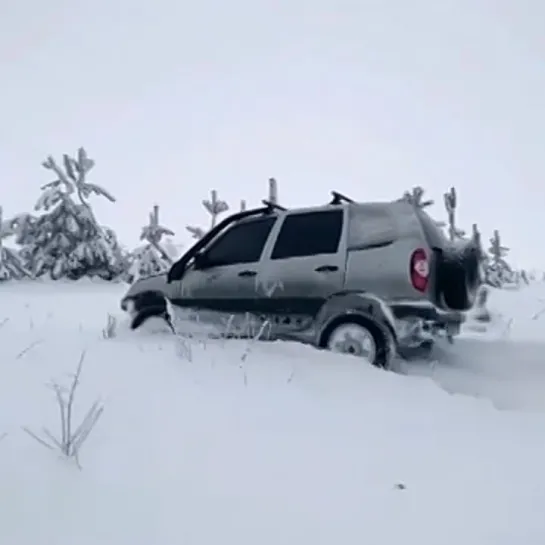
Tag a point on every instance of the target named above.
point(150, 258)
point(416, 197)
point(497, 270)
point(22, 227)
point(65, 239)
point(12, 266)
point(215, 207)
point(451, 203)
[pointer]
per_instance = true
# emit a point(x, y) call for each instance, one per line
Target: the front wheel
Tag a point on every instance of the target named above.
point(362, 338)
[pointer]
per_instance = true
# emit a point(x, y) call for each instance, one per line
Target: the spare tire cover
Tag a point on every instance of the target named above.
point(459, 277)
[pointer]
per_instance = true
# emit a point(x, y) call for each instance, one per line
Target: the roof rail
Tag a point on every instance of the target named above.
point(273, 205)
point(339, 198)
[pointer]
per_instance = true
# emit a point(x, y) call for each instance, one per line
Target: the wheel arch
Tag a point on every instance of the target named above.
point(357, 303)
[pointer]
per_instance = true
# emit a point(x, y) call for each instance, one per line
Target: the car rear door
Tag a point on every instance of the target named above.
point(305, 265)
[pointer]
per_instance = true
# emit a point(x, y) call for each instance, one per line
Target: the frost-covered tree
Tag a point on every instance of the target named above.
point(497, 269)
point(22, 227)
point(152, 257)
point(215, 207)
point(273, 191)
point(451, 203)
point(498, 251)
point(416, 197)
point(65, 240)
point(12, 265)
point(476, 237)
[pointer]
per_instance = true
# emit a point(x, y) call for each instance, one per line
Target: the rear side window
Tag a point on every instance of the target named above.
point(369, 226)
point(309, 233)
point(243, 243)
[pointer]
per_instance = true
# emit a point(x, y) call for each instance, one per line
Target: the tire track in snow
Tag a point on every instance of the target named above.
point(511, 374)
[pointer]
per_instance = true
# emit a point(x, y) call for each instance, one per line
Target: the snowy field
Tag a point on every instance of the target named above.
point(268, 444)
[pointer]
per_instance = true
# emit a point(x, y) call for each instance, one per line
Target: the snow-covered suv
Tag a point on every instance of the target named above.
point(365, 278)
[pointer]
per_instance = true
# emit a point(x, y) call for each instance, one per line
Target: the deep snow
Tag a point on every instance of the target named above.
point(270, 443)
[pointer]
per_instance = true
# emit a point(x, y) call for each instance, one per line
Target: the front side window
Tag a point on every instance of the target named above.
point(242, 243)
point(309, 233)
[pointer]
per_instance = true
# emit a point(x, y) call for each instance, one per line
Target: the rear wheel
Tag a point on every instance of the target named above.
point(360, 337)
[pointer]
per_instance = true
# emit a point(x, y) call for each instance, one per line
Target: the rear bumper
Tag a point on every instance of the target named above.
point(421, 321)
point(427, 312)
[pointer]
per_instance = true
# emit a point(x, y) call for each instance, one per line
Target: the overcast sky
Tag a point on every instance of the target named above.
point(172, 98)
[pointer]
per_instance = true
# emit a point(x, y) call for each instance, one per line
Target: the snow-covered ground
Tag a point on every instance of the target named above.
point(273, 443)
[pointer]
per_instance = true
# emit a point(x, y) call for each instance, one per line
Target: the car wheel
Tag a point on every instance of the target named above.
point(363, 338)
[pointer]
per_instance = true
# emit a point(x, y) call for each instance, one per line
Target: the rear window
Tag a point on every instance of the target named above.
point(369, 225)
point(309, 233)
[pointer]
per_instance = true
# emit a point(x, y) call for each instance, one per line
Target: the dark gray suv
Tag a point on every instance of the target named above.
point(363, 278)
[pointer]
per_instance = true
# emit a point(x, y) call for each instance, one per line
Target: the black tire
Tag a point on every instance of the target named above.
point(151, 312)
point(459, 279)
point(145, 305)
point(382, 337)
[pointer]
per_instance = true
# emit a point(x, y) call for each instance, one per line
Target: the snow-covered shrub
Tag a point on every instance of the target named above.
point(72, 436)
point(150, 258)
point(12, 264)
point(65, 240)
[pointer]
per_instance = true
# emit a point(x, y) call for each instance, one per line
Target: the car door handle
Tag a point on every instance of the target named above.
point(327, 268)
point(247, 274)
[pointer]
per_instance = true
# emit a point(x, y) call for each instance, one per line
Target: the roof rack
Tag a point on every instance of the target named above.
point(339, 198)
point(273, 205)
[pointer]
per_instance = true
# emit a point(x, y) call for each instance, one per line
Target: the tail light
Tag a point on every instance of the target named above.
point(420, 270)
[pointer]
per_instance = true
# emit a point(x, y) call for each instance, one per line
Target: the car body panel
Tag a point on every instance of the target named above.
point(296, 297)
point(156, 282)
